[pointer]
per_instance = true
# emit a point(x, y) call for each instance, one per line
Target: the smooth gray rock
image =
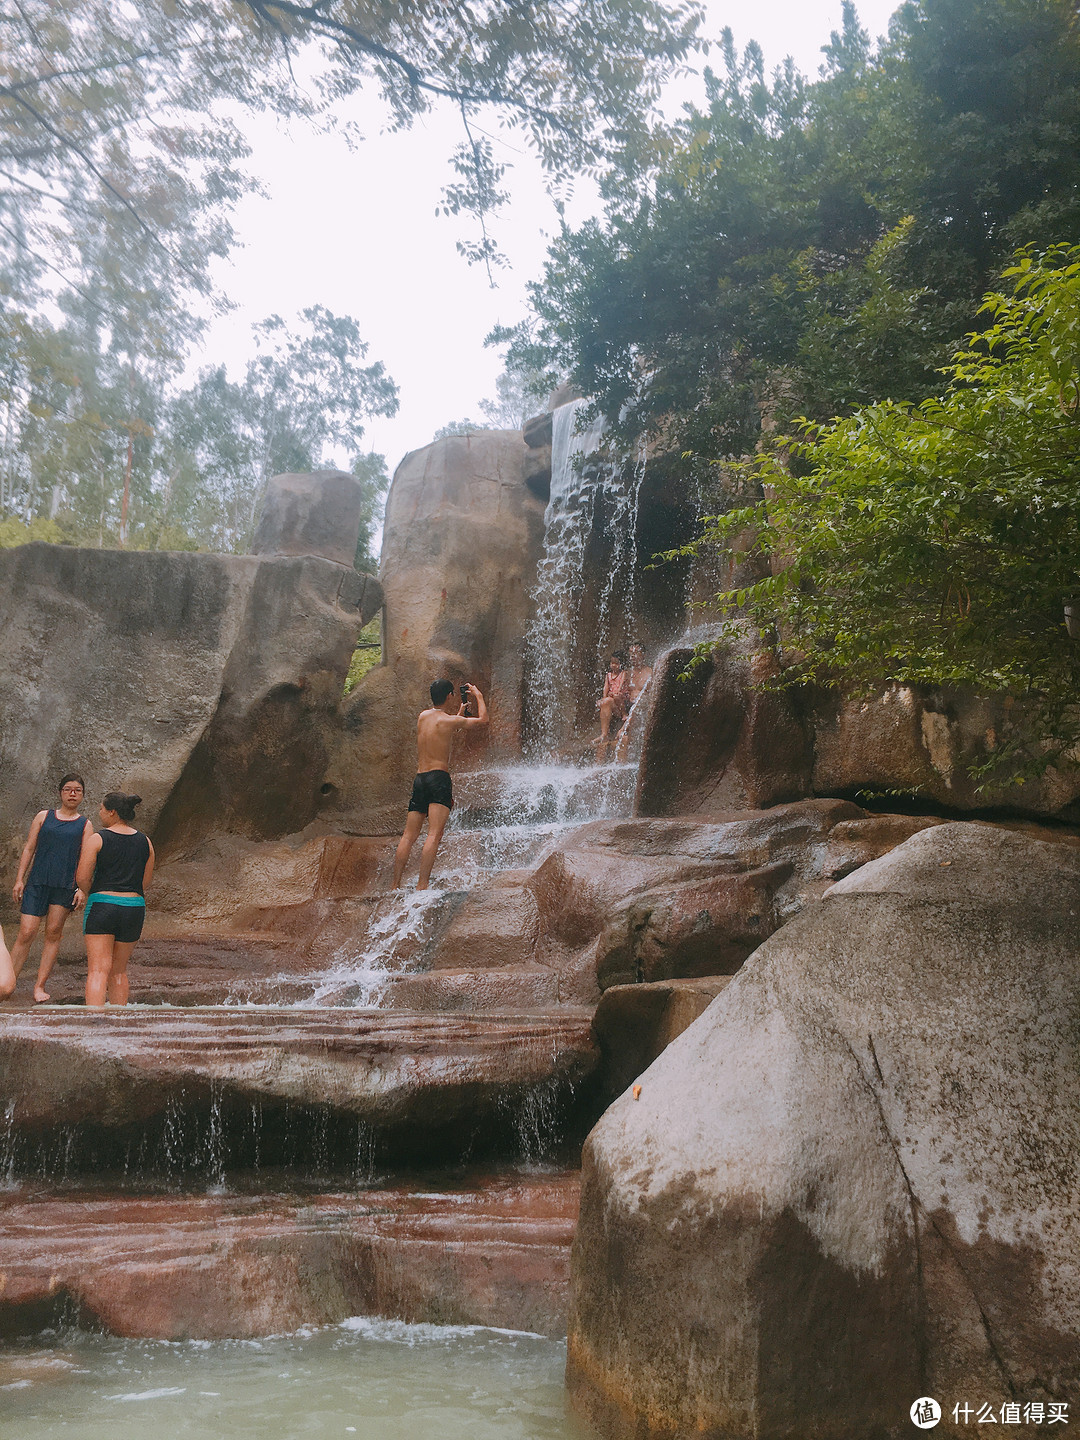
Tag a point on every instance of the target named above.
point(854, 1180)
point(461, 541)
point(316, 514)
point(208, 684)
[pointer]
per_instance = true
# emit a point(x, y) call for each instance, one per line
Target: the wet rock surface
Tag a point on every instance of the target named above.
point(406, 1073)
point(492, 1250)
point(719, 738)
point(612, 902)
point(852, 1181)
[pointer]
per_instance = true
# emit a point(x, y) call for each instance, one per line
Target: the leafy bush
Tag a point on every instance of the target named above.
point(936, 544)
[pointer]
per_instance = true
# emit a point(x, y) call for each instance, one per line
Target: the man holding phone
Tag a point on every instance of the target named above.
point(432, 793)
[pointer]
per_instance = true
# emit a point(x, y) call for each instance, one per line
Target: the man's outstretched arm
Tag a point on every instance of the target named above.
point(481, 716)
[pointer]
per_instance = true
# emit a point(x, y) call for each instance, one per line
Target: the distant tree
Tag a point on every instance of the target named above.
point(301, 405)
point(459, 427)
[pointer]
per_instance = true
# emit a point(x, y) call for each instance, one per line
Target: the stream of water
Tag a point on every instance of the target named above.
point(375, 1379)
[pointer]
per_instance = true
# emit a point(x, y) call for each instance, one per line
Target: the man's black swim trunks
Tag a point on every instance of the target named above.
point(432, 787)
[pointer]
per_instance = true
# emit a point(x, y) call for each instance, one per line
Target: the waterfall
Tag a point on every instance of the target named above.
point(591, 513)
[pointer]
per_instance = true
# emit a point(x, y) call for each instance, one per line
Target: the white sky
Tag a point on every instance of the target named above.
point(356, 231)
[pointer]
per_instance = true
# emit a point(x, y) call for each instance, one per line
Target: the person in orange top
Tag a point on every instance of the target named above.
point(614, 703)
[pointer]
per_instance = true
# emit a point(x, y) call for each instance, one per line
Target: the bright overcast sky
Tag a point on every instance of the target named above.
point(356, 231)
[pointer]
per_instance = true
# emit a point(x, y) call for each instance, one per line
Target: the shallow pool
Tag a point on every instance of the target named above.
point(376, 1379)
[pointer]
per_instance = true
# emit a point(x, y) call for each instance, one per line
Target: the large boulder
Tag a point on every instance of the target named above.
point(720, 735)
point(461, 541)
point(316, 514)
point(424, 1085)
point(714, 741)
point(853, 1181)
point(209, 684)
point(626, 901)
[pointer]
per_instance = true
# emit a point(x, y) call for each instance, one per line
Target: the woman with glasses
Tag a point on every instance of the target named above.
point(45, 886)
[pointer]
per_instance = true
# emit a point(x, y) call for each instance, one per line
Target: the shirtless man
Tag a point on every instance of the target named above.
point(432, 795)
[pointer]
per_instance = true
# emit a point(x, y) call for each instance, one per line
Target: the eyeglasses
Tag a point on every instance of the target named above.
point(72, 790)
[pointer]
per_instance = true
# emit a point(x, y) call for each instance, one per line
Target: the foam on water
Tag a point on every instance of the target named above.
point(383, 1379)
point(506, 819)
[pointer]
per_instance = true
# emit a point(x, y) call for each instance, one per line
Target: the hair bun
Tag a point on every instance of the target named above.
point(135, 799)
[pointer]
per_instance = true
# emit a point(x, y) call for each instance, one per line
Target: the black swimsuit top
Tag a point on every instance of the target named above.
point(121, 862)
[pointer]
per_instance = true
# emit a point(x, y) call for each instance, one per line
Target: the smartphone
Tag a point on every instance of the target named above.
point(464, 694)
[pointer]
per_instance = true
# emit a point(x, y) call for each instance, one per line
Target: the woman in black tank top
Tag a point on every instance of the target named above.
point(115, 868)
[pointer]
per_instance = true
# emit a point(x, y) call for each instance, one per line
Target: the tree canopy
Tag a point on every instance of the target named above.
point(805, 247)
point(938, 543)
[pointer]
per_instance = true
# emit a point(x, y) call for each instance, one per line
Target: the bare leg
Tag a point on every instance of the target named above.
point(438, 815)
point(118, 976)
point(54, 929)
point(99, 955)
point(28, 928)
point(414, 823)
point(7, 971)
point(606, 708)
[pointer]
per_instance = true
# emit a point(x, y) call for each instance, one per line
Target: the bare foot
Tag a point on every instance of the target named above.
point(41, 996)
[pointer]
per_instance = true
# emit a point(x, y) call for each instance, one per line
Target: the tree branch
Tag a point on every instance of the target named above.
point(349, 36)
point(50, 266)
point(87, 160)
point(78, 71)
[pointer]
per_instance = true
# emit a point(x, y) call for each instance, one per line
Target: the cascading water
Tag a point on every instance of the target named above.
point(507, 818)
point(593, 498)
point(551, 644)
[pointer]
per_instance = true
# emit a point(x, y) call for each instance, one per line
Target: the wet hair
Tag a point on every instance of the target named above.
point(440, 689)
point(621, 656)
point(124, 805)
point(73, 776)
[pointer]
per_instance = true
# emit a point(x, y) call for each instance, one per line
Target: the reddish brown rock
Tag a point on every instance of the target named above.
point(209, 1267)
point(404, 1074)
point(718, 739)
point(634, 1024)
point(633, 900)
point(714, 743)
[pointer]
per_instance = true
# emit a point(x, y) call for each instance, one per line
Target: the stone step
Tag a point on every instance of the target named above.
point(494, 1252)
point(445, 1081)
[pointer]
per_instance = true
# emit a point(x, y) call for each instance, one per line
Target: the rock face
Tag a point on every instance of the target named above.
point(714, 742)
point(494, 1252)
point(853, 1180)
point(717, 741)
point(316, 514)
point(461, 542)
point(634, 1024)
point(419, 1080)
point(208, 684)
point(646, 900)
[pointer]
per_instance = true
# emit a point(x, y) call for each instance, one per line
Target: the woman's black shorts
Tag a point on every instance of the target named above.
point(124, 922)
point(432, 787)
